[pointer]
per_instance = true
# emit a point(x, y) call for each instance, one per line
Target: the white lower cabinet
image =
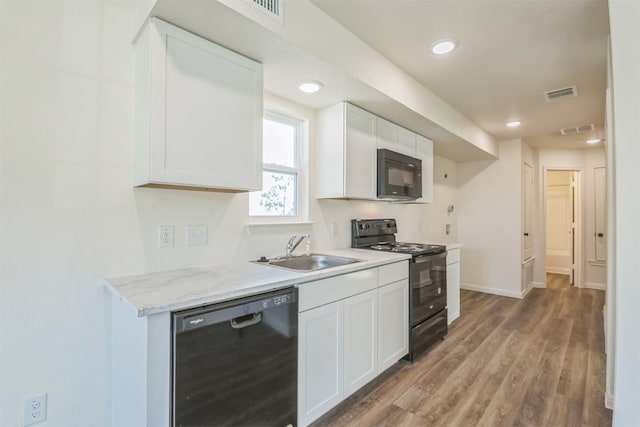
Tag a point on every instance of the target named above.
point(360, 340)
point(320, 360)
point(345, 325)
point(453, 285)
point(393, 324)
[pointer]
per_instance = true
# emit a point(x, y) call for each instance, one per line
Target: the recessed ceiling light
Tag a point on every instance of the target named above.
point(593, 141)
point(310, 86)
point(514, 124)
point(443, 46)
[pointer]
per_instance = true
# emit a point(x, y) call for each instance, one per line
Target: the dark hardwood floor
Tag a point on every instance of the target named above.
point(506, 362)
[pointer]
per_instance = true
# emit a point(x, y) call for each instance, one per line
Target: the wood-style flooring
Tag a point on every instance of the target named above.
point(538, 361)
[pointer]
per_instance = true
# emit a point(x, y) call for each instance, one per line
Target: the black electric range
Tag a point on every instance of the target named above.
point(427, 280)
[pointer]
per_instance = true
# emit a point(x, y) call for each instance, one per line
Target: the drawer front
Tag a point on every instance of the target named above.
point(427, 334)
point(392, 272)
point(453, 256)
point(321, 292)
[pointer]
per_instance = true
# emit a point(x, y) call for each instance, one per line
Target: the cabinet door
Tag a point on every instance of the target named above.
point(406, 142)
point(360, 340)
point(320, 361)
point(386, 134)
point(393, 323)
point(360, 153)
point(206, 113)
point(453, 291)
point(424, 151)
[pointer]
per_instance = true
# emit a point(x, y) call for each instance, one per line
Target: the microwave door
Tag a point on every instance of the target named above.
point(400, 180)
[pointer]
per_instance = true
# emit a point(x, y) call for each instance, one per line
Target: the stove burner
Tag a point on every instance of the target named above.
point(379, 235)
point(407, 248)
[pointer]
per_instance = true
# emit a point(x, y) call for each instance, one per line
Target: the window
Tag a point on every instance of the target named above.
point(282, 172)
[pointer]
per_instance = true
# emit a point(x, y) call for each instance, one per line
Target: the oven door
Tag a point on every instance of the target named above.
point(399, 176)
point(428, 286)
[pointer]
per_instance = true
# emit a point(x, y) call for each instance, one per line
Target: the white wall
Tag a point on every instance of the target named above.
point(489, 218)
point(69, 215)
point(584, 160)
point(625, 55)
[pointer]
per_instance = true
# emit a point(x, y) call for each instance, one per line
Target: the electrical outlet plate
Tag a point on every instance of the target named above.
point(165, 236)
point(35, 409)
point(197, 235)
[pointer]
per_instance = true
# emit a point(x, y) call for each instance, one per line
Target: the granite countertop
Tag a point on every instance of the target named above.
point(154, 293)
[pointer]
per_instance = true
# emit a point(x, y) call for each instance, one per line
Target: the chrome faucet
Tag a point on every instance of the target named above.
point(293, 243)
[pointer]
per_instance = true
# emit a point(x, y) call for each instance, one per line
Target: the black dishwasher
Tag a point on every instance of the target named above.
point(236, 363)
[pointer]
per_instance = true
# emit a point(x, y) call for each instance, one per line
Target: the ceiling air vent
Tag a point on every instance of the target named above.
point(272, 8)
point(567, 92)
point(577, 129)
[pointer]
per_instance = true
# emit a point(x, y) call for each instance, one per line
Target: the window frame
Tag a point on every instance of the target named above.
point(300, 169)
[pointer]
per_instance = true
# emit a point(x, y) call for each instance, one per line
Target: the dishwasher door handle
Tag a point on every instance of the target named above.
point(255, 318)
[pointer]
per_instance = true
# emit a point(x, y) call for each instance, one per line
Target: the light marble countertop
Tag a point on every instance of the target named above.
point(154, 293)
point(451, 246)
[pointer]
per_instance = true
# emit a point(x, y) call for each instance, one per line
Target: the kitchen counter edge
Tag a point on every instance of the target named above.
point(174, 290)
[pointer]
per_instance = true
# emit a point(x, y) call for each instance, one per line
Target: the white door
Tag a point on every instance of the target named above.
point(527, 206)
point(393, 323)
point(600, 198)
point(360, 340)
point(320, 361)
point(574, 221)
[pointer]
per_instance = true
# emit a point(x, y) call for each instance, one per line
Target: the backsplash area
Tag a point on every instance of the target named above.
point(230, 238)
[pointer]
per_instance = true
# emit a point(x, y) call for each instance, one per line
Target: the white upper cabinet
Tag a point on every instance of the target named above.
point(346, 155)
point(395, 138)
point(198, 113)
point(424, 152)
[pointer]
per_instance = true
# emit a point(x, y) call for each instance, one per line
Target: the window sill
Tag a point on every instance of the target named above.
point(277, 223)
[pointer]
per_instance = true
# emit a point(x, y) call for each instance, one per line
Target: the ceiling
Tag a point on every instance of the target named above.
point(376, 54)
point(510, 52)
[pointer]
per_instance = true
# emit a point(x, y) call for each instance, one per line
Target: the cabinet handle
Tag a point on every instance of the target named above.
point(600, 234)
point(526, 234)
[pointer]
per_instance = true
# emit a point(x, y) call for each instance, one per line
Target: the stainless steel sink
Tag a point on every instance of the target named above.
point(311, 262)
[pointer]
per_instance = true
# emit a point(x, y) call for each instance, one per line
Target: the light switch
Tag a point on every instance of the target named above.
point(197, 235)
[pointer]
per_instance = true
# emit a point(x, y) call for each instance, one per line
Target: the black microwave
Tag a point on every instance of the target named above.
point(399, 176)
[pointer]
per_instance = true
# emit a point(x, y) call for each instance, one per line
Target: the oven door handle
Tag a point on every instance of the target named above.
point(426, 258)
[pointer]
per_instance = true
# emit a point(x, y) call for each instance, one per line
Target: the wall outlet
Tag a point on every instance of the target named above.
point(35, 409)
point(197, 235)
point(447, 230)
point(165, 236)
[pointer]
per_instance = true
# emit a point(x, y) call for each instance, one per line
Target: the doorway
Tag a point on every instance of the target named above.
point(563, 224)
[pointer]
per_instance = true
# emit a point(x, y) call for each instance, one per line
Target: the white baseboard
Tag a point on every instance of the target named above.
point(554, 270)
point(608, 400)
point(454, 316)
point(494, 291)
point(598, 286)
point(527, 290)
point(539, 285)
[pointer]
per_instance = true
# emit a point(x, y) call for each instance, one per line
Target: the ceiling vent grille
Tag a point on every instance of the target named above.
point(577, 129)
point(567, 92)
point(272, 8)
